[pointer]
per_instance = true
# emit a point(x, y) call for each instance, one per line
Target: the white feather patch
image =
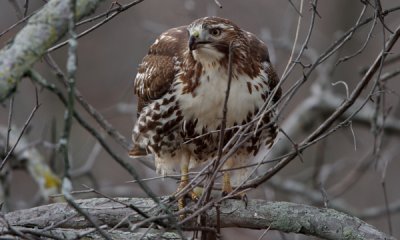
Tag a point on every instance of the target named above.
point(209, 97)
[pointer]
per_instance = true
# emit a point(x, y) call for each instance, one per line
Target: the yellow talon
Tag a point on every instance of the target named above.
point(226, 184)
point(227, 188)
point(193, 194)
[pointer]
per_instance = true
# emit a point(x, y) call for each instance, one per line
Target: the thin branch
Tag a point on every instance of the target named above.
point(16, 24)
point(306, 41)
point(13, 230)
point(218, 3)
point(392, 59)
point(71, 69)
point(387, 210)
point(118, 137)
point(89, 163)
point(335, 115)
point(108, 18)
point(26, 6)
point(295, 39)
point(10, 114)
point(41, 81)
point(295, 8)
point(23, 130)
point(86, 215)
point(359, 51)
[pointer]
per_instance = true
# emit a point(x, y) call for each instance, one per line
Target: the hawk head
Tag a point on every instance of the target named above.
point(209, 37)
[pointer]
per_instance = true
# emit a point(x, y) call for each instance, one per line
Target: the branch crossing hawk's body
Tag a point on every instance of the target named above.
point(181, 86)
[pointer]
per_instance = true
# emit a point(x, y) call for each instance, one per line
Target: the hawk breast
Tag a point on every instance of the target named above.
point(205, 103)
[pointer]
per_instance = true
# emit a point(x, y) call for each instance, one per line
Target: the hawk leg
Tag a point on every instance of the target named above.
point(226, 181)
point(227, 188)
point(226, 184)
point(183, 183)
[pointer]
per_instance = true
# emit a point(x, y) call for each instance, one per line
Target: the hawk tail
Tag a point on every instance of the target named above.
point(137, 151)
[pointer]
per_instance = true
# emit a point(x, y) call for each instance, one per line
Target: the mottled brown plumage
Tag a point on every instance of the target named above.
point(181, 86)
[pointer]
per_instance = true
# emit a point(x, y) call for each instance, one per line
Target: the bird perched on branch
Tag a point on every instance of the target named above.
point(181, 88)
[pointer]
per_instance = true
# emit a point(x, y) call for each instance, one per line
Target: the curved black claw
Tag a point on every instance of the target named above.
point(245, 199)
point(171, 198)
point(225, 193)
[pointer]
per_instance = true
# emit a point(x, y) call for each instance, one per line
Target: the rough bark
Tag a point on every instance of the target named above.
point(259, 214)
point(43, 29)
point(65, 233)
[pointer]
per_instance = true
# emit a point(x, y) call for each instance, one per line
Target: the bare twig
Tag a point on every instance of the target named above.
point(218, 3)
point(23, 130)
point(295, 8)
point(41, 81)
point(295, 39)
point(86, 215)
point(331, 119)
point(343, 59)
point(16, 24)
point(118, 137)
point(387, 210)
point(26, 6)
point(71, 68)
point(10, 114)
point(108, 18)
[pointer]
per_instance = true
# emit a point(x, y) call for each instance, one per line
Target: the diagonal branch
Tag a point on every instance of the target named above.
point(324, 127)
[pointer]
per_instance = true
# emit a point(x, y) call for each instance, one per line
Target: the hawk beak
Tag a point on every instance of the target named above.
point(195, 40)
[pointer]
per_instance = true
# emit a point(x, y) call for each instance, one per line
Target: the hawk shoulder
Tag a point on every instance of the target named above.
point(259, 52)
point(159, 67)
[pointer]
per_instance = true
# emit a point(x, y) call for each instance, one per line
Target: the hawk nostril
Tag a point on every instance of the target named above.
point(196, 34)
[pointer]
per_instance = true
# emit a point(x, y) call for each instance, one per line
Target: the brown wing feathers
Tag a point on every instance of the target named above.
point(157, 71)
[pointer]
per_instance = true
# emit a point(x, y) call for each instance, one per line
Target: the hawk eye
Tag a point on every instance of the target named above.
point(215, 32)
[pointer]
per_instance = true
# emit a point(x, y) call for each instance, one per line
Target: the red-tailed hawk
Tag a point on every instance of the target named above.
point(181, 86)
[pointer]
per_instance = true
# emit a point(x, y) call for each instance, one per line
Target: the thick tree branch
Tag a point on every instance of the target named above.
point(43, 29)
point(65, 233)
point(259, 214)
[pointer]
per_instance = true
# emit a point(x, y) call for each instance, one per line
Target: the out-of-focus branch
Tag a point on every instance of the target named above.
point(259, 214)
point(17, 8)
point(5, 159)
point(296, 188)
point(324, 128)
point(89, 108)
point(43, 29)
point(374, 212)
point(322, 103)
point(30, 158)
point(71, 81)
